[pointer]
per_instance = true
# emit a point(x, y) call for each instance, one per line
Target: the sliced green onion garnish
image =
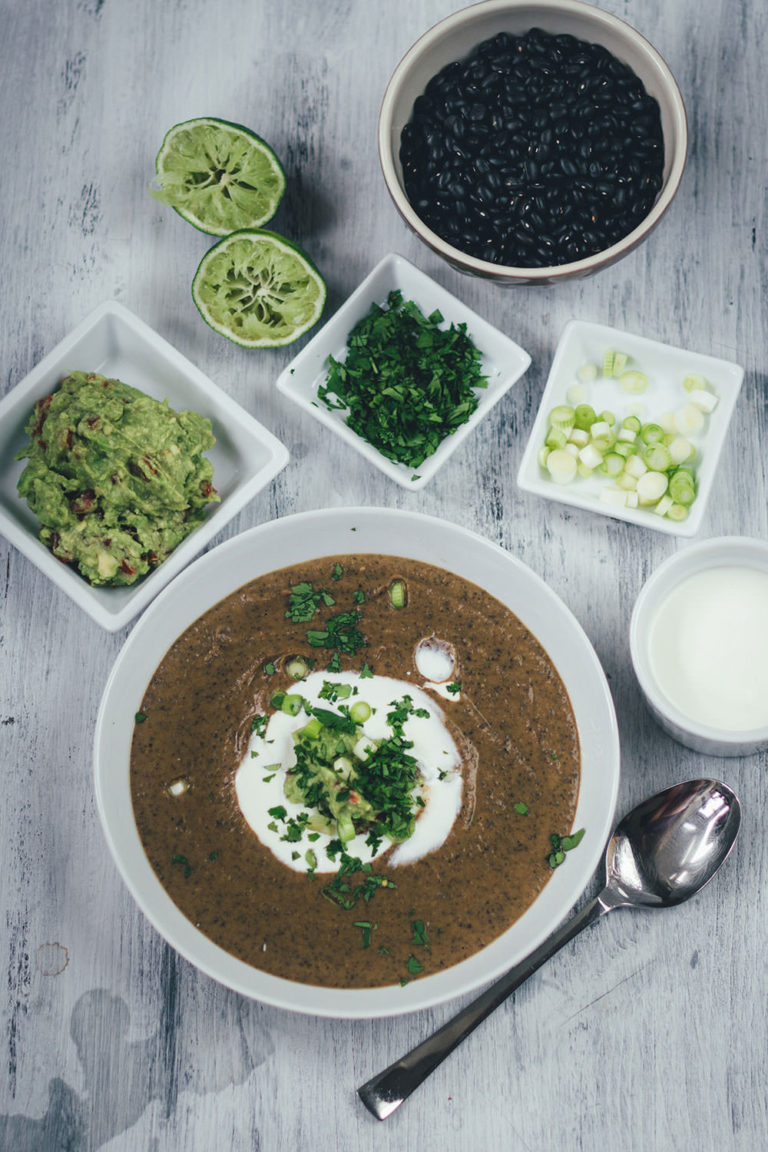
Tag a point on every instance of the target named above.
point(359, 711)
point(562, 417)
point(297, 668)
point(398, 594)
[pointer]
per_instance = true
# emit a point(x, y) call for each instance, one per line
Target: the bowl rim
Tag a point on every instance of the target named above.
point(191, 593)
point(715, 552)
point(549, 273)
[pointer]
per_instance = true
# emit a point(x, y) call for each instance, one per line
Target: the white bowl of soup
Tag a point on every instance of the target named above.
point(319, 622)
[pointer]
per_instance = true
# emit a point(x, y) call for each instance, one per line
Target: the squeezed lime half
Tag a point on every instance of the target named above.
point(218, 176)
point(258, 289)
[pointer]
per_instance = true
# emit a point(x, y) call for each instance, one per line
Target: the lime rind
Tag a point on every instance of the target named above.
point(219, 176)
point(258, 289)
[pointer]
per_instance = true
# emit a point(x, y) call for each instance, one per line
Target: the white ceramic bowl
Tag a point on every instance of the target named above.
point(113, 341)
point(503, 361)
point(316, 534)
point(454, 37)
point(726, 553)
point(665, 366)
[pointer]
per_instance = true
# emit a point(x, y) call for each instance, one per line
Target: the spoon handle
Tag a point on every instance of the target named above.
point(387, 1091)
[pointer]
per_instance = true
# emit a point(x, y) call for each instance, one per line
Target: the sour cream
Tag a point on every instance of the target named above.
point(708, 648)
point(260, 779)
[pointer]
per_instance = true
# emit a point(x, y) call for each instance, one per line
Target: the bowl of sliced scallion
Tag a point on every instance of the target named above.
point(631, 427)
point(403, 372)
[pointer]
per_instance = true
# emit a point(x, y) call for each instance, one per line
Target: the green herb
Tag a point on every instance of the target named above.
point(406, 383)
point(367, 928)
point(358, 596)
point(270, 669)
point(140, 717)
point(338, 571)
point(333, 692)
point(304, 601)
point(419, 933)
point(334, 664)
point(279, 812)
point(177, 858)
point(561, 845)
point(414, 966)
point(213, 856)
point(454, 687)
point(341, 632)
point(366, 672)
point(259, 725)
point(521, 809)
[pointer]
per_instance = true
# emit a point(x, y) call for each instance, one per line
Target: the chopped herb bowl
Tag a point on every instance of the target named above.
point(404, 353)
point(116, 343)
point(630, 427)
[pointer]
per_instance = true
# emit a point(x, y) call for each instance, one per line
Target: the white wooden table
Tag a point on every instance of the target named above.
point(650, 1033)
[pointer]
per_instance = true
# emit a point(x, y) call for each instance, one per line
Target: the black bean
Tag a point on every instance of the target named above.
point(534, 150)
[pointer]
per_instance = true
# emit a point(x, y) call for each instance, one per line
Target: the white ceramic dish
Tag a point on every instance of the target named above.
point(454, 38)
point(113, 341)
point(504, 362)
point(666, 366)
point(316, 534)
point(722, 552)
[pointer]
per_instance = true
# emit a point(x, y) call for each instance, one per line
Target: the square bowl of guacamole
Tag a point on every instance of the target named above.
point(120, 460)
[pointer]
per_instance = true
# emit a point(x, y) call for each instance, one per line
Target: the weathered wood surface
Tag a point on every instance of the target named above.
point(647, 1034)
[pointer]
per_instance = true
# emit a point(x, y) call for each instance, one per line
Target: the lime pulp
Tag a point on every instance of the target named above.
point(258, 289)
point(219, 176)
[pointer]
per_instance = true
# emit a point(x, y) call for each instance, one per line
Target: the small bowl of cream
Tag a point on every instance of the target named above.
point(699, 645)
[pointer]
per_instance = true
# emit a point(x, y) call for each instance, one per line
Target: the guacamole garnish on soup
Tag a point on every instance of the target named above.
point(115, 478)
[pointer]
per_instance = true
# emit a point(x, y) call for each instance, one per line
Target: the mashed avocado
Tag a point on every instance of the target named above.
point(115, 478)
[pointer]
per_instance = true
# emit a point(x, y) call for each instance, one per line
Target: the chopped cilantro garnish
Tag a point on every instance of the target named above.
point(453, 688)
point(269, 668)
point(521, 809)
point(177, 858)
point(366, 672)
point(341, 632)
point(358, 596)
point(406, 382)
point(419, 933)
point(367, 928)
point(304, 601)
point(414, 966)
point(338, 571)
point(259, 725)
point(561, 845)
point(140, 717)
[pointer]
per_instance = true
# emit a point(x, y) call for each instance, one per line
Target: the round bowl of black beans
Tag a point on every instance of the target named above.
point(532, 141)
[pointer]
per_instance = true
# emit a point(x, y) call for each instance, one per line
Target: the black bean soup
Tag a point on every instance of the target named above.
point(534, 151)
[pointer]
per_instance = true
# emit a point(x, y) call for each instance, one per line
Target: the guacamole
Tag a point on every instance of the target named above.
point(115, 478)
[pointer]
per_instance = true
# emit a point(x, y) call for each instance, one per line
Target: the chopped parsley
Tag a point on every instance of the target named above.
point(406, 383)
point(419, 933)
point(259, 725)
point(177, 858)
point(521, 809)
point(341, 632)
point(561, 845)
point(140, 717)
point(304, 601)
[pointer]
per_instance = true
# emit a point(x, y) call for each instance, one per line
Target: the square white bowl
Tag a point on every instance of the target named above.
point(665, 366)
point(118, 344)
point(503, 361)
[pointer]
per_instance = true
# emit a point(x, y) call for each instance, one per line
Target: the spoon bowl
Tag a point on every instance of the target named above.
point(669, 847)
point(663, 852)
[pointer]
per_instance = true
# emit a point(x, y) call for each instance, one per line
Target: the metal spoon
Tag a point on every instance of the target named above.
point(662, 852)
